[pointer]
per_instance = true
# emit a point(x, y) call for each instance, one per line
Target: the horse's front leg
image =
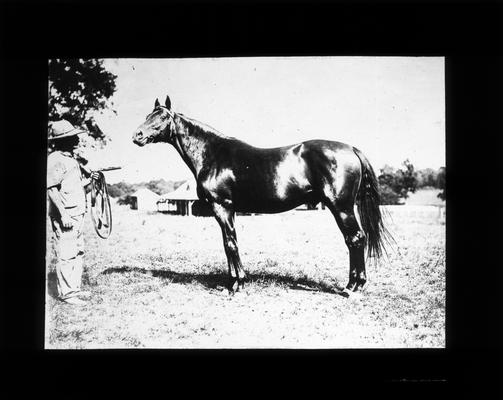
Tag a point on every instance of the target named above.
point(225, 218)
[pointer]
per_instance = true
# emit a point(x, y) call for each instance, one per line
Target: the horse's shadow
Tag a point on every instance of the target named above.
point(218, 281)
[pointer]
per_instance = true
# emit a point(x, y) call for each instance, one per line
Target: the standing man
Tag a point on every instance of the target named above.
point(66, 189)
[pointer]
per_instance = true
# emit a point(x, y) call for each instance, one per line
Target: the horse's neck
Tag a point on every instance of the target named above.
point(191, 141)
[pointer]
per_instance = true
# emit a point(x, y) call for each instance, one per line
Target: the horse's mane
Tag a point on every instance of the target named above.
point(204, 127)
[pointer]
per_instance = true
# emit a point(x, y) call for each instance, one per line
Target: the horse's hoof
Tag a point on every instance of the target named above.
point(349, 294)
point(234, 288)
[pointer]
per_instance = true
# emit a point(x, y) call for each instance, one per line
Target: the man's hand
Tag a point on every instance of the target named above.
point(66, 221)
point(95, 175)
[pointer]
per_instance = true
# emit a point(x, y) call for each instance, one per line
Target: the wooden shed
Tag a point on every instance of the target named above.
point(180, 201)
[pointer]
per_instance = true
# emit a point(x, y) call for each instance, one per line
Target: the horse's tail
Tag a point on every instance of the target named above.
point(368, 200)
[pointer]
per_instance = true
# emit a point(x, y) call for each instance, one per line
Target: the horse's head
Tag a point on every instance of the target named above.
point(157, 125)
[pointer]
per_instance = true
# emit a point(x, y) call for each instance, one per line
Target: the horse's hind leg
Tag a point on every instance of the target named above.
point(225, 218)
point(355, 240)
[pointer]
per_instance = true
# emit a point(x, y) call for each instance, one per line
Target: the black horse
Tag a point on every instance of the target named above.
point(233, 176)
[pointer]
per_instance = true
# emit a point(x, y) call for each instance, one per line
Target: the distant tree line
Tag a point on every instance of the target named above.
point(396, 184)
point(123, 191)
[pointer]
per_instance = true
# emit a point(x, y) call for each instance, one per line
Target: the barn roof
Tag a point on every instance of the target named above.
point(186, 191)
point(145, 193)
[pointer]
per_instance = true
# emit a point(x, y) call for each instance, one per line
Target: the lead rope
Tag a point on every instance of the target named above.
point(101, 212)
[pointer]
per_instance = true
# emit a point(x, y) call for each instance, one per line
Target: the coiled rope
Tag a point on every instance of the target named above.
point(101, 212)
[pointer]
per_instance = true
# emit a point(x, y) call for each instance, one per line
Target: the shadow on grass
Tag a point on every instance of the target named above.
point(52, 285)
point(218, 280)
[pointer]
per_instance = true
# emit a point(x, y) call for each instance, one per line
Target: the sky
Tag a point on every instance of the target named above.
point(391, 108)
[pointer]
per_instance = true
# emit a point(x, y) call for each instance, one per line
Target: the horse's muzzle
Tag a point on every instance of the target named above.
point(139, 139)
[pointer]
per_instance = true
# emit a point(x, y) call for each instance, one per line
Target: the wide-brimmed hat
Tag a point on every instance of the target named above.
point(63, 128)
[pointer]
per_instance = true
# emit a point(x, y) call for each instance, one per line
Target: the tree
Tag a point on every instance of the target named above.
point(125, 200)
point(427, 178)
point(388, 195)
point(77, 90)
point(395, 185)
point(160, 186)
point(407, 180)
point(114, 191)
point(121, 189)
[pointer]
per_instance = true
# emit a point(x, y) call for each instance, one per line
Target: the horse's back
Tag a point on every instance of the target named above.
point(326, 147)
point(241, 151)
point(313, 161)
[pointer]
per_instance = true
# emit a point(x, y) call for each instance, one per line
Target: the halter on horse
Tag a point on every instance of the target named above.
point(233, 176)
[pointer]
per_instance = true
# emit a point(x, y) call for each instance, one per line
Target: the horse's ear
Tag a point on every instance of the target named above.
point(167, 103)
point(157, 104)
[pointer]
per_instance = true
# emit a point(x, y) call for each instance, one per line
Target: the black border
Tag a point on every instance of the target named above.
point(468, 34)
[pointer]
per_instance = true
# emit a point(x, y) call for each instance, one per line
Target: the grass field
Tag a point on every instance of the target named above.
point(159, 282)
